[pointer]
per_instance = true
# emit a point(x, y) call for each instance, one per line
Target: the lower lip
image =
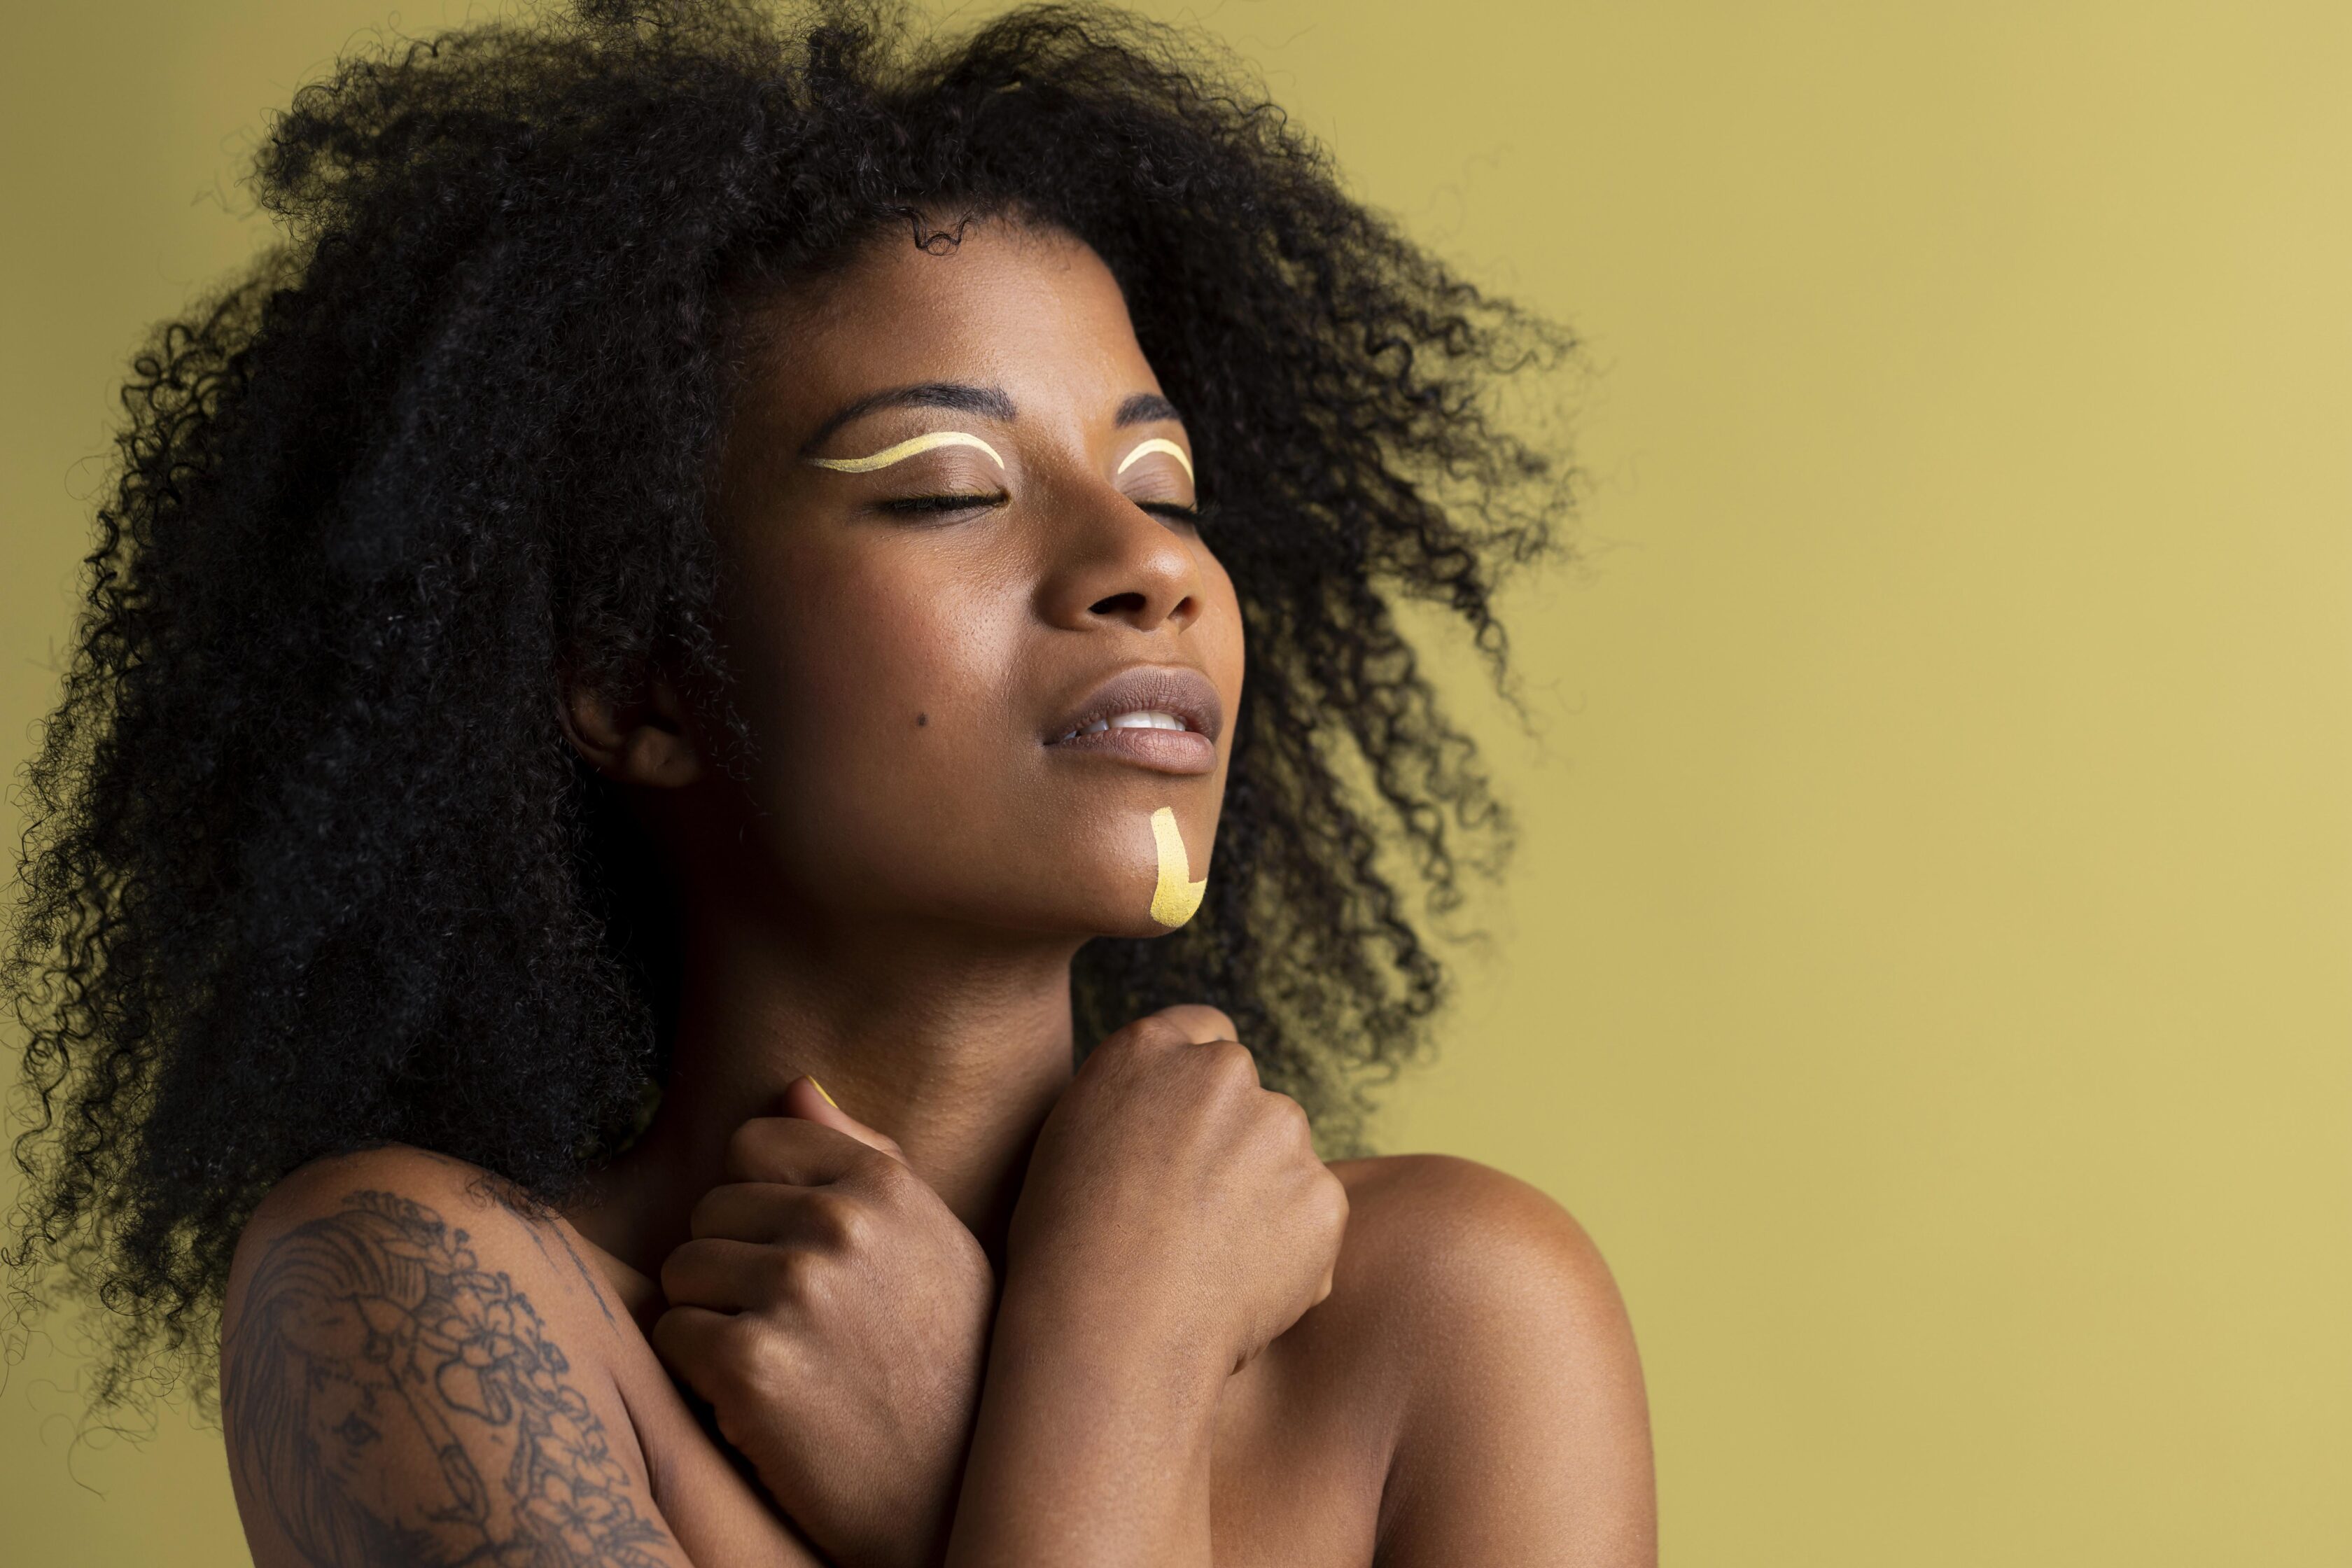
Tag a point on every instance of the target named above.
point(1168, 751)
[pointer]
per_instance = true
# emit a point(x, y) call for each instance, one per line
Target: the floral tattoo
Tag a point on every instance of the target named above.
point(393, 1402)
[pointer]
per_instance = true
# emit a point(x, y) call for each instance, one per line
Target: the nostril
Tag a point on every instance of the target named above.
point(1116, 604)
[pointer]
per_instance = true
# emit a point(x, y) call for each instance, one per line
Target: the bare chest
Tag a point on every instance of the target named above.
point(1302, 1440)
point(1296, 1480)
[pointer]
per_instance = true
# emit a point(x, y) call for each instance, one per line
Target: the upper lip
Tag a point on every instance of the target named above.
point(1168, 688)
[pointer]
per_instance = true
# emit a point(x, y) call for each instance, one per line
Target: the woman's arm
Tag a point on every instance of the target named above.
point(1173, 1221)
point(413, 1373)
point(834, 1312)
point(1092, 1442)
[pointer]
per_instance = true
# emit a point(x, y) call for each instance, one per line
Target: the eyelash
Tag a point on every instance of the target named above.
point(945, 503)
point(913, 505)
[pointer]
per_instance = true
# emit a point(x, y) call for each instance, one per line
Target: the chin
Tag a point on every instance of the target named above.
point(1144, 926)
point(1126, 917)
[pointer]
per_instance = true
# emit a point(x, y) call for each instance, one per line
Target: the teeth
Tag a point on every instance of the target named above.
point(1140, 719)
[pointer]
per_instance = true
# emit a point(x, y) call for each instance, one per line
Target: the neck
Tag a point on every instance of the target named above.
point(953, 1040)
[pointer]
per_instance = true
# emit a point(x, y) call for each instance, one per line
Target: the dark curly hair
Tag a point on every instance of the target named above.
point(312, 865)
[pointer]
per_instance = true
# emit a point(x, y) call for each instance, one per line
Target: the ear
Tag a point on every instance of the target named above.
point(645, 739)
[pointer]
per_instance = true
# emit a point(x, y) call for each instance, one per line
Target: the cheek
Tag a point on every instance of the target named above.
point(867, 682)
point(835, 648)
point(853, 669)
point(1224, 654)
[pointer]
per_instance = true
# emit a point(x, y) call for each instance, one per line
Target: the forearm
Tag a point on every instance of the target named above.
point(1091, 1449)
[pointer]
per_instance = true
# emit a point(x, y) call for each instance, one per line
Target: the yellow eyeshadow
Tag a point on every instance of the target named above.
point(1157, 444)
point(913, 446)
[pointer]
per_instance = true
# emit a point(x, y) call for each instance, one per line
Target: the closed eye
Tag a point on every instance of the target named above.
point(924, 504)
point(1176, 510)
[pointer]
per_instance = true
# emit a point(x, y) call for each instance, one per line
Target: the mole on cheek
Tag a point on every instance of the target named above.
point(922, 719)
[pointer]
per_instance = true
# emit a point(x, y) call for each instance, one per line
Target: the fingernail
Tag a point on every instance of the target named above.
point(820, 1089)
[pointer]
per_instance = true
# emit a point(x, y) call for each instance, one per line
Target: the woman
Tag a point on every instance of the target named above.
point(719, 561)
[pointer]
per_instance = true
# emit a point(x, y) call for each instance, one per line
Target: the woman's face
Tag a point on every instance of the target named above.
point(952, 533)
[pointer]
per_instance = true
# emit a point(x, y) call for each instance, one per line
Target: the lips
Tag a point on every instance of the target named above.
point(1172, 691)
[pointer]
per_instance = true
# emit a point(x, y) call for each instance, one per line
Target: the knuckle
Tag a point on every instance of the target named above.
point(1291, 1117)
point(1220, 1020)
point(841, 1222)
point(889, 1177)
point(781, 1277)
point(1229, 1064)
point(725, 1358)
point(1332, 1207)
point(735, 1347)
point(736, 1369)
point(1197, 1022)
point(679, 1271)
point(747, 1151)
point(814, 1281)
point(710, 1214)
point(1146, 1033)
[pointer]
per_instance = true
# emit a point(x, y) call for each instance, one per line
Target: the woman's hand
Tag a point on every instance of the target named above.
point(1173, 1220)
point(835, 1313)
point(1172, 1194)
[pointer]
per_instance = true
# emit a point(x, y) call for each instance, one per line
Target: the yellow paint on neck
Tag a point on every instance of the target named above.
point(1175, 900)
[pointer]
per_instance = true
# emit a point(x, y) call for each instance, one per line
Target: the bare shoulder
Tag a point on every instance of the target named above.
point(414, 1370)
point(490, 1211)
point(1495, 1260)
point(1448, 1235)
point(1521, 1425)
point(321, 1187)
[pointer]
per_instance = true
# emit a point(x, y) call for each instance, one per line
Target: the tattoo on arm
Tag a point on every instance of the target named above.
point(395, 1403)
point(501, 1192)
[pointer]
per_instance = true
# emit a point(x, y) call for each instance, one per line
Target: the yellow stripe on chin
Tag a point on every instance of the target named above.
point(1175, 900)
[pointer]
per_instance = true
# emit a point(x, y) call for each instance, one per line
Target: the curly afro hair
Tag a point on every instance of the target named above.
point(312, 865)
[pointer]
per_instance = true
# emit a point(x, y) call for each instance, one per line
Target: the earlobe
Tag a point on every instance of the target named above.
point(643, 740)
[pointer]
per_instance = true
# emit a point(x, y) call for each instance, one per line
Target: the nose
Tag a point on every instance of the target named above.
point(1112, 561)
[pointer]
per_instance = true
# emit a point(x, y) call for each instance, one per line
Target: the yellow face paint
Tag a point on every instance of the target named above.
point(1157, 444)
point(905, 449)
point(1174, 901)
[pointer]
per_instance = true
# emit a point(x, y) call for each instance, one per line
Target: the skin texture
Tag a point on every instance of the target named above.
point(985, 1309)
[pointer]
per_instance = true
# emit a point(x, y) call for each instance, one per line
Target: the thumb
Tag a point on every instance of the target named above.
point(806, 1099)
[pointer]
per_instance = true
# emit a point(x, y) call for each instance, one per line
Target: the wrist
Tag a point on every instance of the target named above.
point(1092, 1442)
point(1123, 1350)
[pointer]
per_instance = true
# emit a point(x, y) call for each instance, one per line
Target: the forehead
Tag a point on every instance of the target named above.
point(1033, 311)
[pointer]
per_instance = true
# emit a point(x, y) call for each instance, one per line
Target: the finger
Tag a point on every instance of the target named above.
point(806, 1098)
point(774, 1215)
point(798, 1149)
point(1199, 1022)
point(693, 1343)
point(719, 1273)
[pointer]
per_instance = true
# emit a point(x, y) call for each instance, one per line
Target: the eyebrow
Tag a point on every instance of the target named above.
point(989, 400)
point(1143, 409)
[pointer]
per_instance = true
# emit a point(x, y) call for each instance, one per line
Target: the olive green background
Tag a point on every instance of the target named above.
point(1928, 967)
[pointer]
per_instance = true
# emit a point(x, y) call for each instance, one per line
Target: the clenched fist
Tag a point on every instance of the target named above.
point(835, 1313)
point(1171, 1193)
